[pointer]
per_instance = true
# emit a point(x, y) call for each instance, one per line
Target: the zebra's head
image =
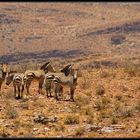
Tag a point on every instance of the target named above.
point(47, 67)
point(4, 67)
point(67, 69)
point(9, 77)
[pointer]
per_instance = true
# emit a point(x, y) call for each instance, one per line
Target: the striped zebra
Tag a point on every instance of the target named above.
point(66, 78)
point(3, 72)
point(38, 75)
point(50, 86)
point(19, 80)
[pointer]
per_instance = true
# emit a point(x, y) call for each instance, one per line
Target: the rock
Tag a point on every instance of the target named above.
point(35, 129)
point(53, 119)
point(90, 127)
point(113, 128)
point(59, 136)
point(40, 118)
point(107, 129)
point(117, 126)
point(46, 129)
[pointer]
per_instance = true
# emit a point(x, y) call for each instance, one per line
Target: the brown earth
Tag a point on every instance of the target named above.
point(101, 39)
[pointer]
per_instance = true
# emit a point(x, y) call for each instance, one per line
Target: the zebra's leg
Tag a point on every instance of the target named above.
point(72, 89)
point(22, 91)
point(60, 91)
point(14, 90)
point(50, 89)
point(28, 83)
point(56, 96)
point(18, 91)
point(40, 86)
point(47, 93)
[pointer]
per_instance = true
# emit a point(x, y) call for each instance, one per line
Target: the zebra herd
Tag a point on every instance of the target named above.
point(46, 76)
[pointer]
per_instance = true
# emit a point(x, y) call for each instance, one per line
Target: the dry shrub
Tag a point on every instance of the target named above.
point(117, 105)
point(102, 103)
point(71, 119)
point(89, 93)
point(87, 110)
point(137, 107)
point(9, 94)
point(89, 119)
point(104, 74)
point(114, 120)
point(39, 103)
point(118, 97)
point(74, 109)
point(105, 113)
point(3, 131)
point(124, 88)
point(82, 100)
point(100, 90)
point(106, 101)
point(131, 69)
point(60, 127)
point(85, 82)
point(10, 111)
point(124, 112)
point(79, 131)
point(99, 105)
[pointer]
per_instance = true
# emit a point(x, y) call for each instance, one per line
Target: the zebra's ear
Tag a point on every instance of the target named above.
point(44, 66)
point(67, 69)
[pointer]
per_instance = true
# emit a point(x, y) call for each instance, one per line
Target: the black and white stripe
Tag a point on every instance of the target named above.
point(19, 81)
point(61, 80)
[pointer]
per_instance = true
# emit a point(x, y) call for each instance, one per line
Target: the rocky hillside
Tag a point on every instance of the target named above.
point(65, 30)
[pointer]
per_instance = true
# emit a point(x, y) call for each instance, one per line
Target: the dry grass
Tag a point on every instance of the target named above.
point(71, 119)
point(100, 90)
point(10, 111)
point(132, 70)
point(79, 131)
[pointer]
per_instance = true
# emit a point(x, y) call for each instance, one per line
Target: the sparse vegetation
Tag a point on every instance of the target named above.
point(79, 131)
point(11, 112)
point(100, 90)
point(71, 119)
point(3, 132)
point(131, 69)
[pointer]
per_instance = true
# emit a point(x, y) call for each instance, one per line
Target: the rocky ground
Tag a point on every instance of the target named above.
point(106, 105)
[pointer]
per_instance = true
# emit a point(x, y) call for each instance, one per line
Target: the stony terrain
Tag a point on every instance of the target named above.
point(101, 40)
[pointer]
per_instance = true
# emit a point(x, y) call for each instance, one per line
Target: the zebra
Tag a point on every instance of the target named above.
point(67, 77)
point(3, 72)
point(19, 80)
point(37, 75)
point(49, 86)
